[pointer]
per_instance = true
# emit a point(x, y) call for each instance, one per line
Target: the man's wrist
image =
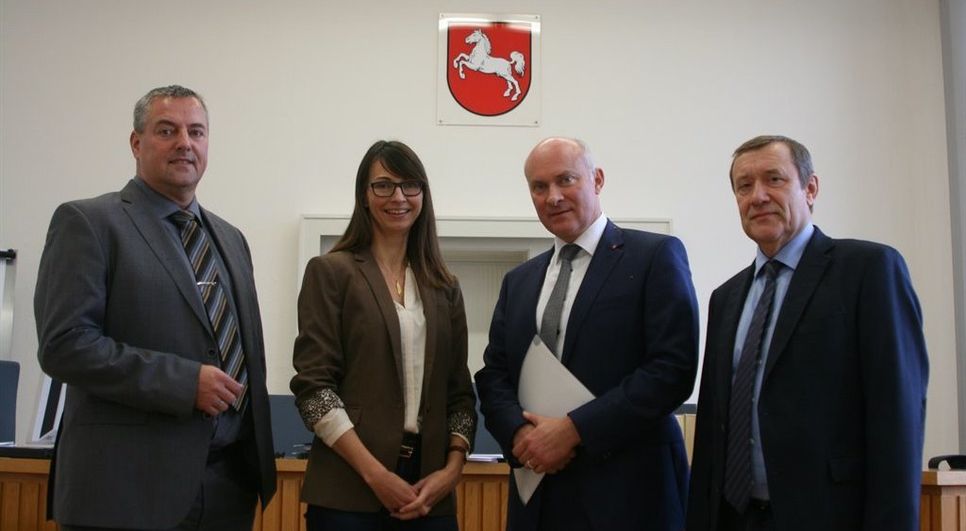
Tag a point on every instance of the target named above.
point(574, 434)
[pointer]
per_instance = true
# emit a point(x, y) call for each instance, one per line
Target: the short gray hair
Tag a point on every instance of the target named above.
point(171, 91)
point(801, 158)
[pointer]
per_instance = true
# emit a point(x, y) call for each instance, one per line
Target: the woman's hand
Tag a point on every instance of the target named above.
point(393, 492)
point(430, 490)
point(436, 486)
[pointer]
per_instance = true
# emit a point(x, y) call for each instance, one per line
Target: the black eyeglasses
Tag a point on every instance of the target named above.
point(388, 188)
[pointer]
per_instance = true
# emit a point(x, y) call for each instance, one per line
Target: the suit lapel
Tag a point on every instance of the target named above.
point(725, 344)
point(377, 285)
point(609, 251)
point(165, 248)
point(804, 281)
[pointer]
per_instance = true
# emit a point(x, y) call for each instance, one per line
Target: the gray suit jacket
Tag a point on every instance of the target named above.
point(119, 319)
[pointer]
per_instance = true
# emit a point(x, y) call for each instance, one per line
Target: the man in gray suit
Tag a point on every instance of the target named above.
point(146, 308)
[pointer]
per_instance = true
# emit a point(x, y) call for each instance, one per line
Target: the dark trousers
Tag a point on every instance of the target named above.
point(407, 467)
point(560, 506)
point(756, 517)
point(323, 519)
point(225, 500)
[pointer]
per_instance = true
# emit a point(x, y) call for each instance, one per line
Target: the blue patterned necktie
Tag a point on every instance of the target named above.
point(224, 323)
point(737, 488)
point(550, 323)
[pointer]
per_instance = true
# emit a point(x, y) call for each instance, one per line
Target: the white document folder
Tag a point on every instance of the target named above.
point(546, 388)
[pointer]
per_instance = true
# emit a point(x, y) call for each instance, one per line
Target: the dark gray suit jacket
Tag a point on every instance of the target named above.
point(119, 319)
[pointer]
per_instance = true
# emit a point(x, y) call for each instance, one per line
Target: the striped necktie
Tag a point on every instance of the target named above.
point(738, 461)
point(550, 323)
point(224, 323)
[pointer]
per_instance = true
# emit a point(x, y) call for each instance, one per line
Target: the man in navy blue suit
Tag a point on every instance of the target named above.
point(813, 395)
point(628, 329)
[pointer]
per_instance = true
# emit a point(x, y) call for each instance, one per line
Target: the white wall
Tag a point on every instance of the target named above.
point(663, 91)
point(953, 23)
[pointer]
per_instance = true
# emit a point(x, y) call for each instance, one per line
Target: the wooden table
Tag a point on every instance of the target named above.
point(942, 506)
point(481, 498)
point(23, 495)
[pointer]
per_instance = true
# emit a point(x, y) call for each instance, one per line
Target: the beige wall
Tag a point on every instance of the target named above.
point(663, 91)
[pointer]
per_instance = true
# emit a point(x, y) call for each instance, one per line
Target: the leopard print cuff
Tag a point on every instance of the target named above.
point(463, 423)
point(316, 406)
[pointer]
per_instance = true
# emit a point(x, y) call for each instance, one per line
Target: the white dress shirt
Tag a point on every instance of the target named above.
point(587, 242)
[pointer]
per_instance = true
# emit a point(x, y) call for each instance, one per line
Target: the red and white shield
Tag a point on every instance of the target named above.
point(489, 65)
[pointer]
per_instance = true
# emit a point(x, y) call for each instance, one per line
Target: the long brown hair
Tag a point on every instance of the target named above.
point(422, 245)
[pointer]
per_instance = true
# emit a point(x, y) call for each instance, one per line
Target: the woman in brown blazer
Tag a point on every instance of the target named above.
point(381, 361)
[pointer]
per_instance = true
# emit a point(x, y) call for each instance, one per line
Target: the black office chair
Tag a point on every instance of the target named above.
point(289, 434)
point(955, 462)
point(9, 379)
point(484, 443)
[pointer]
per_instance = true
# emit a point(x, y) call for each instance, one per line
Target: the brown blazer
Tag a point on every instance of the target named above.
point(349, 343)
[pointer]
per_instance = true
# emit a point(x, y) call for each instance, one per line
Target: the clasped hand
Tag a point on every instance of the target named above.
point(546, 444)
point(405, 501)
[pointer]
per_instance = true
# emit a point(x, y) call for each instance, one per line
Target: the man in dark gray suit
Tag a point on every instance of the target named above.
point(146, 308)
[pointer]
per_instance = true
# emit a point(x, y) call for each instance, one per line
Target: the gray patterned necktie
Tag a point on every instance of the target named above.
point(738, 461)
point(224, 322)
point(550, 323)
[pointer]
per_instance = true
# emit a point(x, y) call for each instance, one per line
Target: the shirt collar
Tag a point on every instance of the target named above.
point(161, 206)
point(588, 240)
point(791, 253)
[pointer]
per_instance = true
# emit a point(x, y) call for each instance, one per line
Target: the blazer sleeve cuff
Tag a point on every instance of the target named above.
point(316, 406)
point(332, 426)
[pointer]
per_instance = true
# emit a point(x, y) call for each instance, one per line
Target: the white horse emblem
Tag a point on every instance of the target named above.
point(480, 60)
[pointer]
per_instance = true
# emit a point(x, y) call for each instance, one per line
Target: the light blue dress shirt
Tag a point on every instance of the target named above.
point(789, 256)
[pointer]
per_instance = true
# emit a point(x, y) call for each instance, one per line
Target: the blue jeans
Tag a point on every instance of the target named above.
point(323, 519)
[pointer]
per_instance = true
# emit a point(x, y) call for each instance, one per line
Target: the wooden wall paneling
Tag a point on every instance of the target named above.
point(943, 501)
point(481, 497)
point(23, 495)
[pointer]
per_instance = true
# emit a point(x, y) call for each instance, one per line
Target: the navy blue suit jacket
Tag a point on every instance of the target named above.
point(632, 341)
point(842, 403)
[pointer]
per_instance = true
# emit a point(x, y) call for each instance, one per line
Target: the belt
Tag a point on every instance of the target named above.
point(409, 446)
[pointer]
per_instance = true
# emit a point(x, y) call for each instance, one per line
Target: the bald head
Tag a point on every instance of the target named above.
point(558, 144)
point(564, 186)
